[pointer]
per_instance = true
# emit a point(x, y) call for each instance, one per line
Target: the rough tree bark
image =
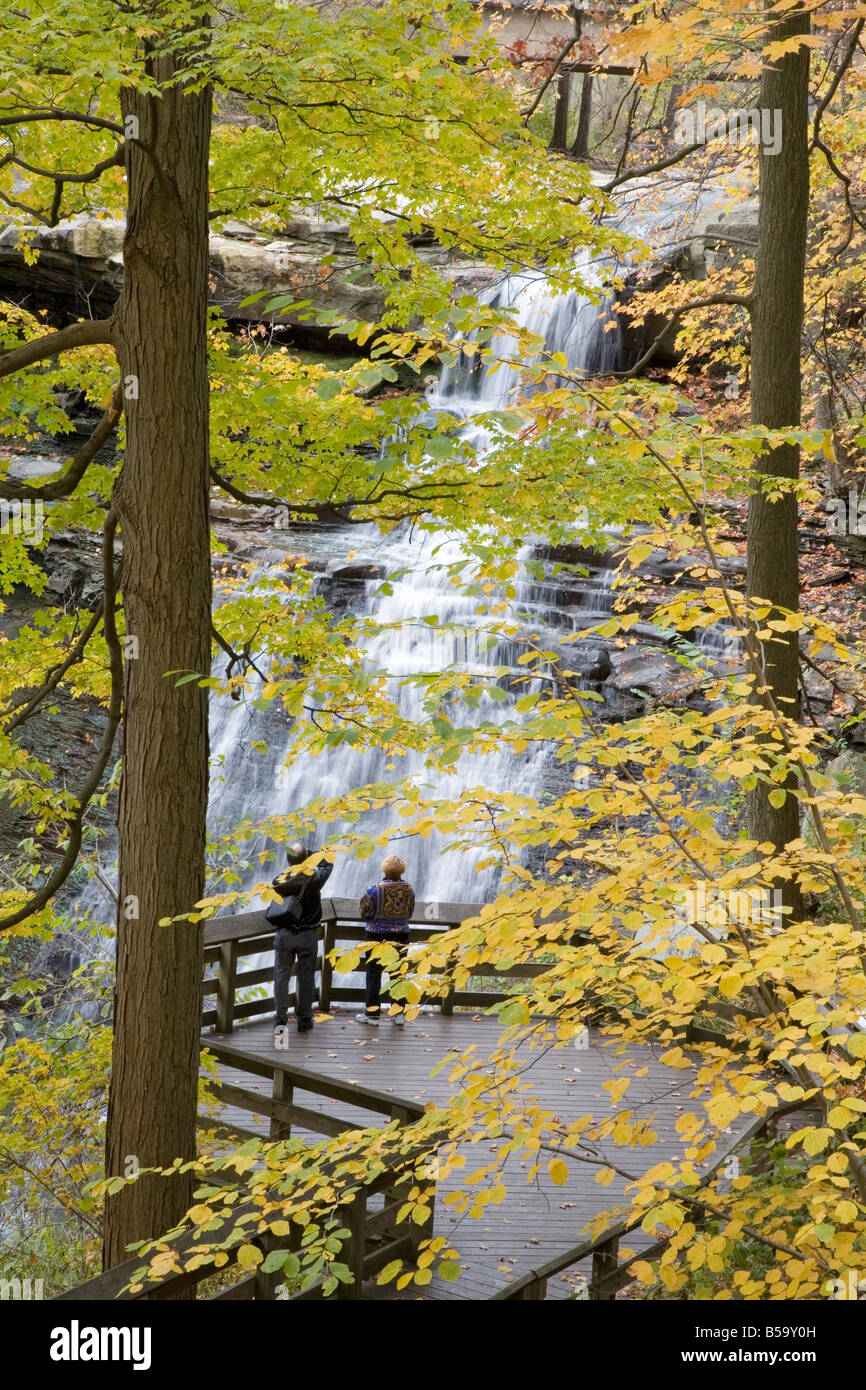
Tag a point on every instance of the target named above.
point(161, 501)
point(580, 148)
point(777, 321)
point(559, 138)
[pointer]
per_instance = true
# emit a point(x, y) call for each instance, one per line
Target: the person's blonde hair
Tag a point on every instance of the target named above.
point(393, 866)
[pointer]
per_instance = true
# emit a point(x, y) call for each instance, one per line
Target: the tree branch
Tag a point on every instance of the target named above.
point(60, 176)
point(84, 334)
point(60, 114)
point(708, 302)
point(241, 659)
point(563, 54)
point(843, 67)
point(56, 673)
point(68, 481)
point(75, 820)
point(341, 511)
point(656, 168)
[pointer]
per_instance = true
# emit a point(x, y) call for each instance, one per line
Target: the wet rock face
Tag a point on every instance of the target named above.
point(79, 272)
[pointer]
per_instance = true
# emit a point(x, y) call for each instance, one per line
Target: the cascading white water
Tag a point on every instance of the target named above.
point(251, 786)
point(281, 785)
point(248, 785)
point(717, 643)
point(587, 334)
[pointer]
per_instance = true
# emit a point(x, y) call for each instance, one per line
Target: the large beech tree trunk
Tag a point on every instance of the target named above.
point(162, 504)
point(777, 320)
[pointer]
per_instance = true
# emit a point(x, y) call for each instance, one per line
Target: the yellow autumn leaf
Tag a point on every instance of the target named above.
point(846, 1212)
point(200, 1214)
point(839, 1117)
point(817, 1140)
point(722, 1110)
point(249, 1256)
point(558, 1171)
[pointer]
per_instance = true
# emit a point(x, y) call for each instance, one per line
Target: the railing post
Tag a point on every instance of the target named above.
point(355, 1248)
point(266, 1284)
point(227, 982)
point(447, 1004)
point(327, 976)
point(417, 1234)
point(534, 1292)
point(604, 1262)
point(283, 1090)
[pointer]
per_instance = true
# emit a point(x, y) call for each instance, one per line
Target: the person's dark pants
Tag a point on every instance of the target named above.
point(372, 997)
point(290, 947)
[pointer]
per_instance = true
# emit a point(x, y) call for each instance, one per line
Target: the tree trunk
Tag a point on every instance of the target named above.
point(670, 115)
point(580, 148)
point(777, 320)
point(162, 504)
point(559, 138)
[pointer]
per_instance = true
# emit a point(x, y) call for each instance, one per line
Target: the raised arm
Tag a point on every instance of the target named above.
point(322, 872)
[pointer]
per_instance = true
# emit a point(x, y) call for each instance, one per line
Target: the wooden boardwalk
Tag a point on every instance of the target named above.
point(535, 1222)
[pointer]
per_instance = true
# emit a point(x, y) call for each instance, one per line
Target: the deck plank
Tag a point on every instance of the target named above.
point(534, 1223)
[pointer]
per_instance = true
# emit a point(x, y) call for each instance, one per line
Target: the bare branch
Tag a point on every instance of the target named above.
point(648, 169)
point(75, 820)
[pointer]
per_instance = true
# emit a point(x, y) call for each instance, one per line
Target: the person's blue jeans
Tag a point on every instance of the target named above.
point(373, 991)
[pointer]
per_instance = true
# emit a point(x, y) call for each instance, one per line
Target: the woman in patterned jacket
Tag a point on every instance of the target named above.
point(386, 908)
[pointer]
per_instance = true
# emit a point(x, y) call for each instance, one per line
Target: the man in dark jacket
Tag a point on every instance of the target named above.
point(296, 940)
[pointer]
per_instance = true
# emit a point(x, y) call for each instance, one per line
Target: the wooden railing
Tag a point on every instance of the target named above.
point(228, 940)
point(280, 1106)
point(374, 1239)
point(609, 1273)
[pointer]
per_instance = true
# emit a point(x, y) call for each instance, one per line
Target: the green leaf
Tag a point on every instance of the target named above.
point(440, 447)
point(274, 1261)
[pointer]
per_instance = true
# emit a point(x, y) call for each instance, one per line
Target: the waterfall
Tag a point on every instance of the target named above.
point(249, 785)
point(587, 334)
point(718, 643)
